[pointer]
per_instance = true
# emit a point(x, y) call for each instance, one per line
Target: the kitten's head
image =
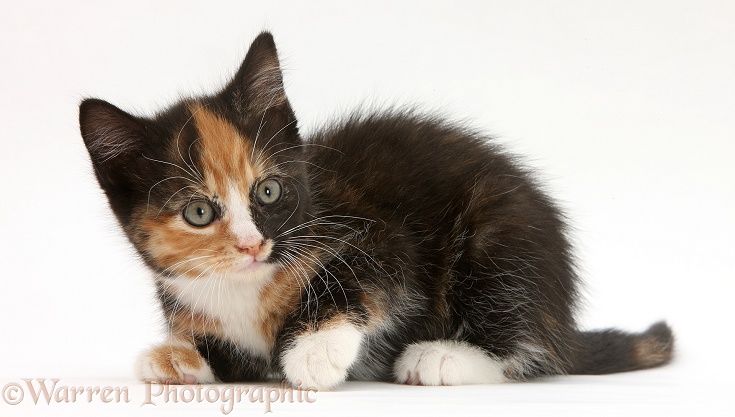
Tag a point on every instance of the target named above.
point(211, 184)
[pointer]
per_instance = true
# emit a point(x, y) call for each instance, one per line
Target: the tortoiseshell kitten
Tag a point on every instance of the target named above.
point(392, 247)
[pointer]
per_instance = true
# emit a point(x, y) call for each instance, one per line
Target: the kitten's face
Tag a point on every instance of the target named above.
point(224, 211)
point(209, 187)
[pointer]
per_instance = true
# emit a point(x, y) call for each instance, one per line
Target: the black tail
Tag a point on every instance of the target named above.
point(609, 351)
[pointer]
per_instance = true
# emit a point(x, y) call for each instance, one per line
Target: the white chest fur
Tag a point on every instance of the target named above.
point(233, 300)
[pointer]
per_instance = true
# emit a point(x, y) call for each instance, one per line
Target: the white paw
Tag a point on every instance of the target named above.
point(446, 362)
point(173, 363)
point(321, 360)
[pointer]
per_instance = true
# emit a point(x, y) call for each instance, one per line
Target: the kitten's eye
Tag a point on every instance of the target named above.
point(199, 213)
point(268, 192)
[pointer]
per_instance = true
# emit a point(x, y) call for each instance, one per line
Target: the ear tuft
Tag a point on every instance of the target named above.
point(108, 132)
point(258, 84)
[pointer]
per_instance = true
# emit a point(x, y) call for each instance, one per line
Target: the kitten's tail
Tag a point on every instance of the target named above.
point(609, 351)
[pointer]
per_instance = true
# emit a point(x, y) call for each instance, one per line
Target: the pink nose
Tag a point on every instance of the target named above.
point(250, 248)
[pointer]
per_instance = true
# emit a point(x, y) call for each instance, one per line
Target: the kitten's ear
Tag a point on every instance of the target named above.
point(258, 84)
point(113, 138)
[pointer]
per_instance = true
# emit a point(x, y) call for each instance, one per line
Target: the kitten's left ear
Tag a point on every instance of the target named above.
point(114, 140)
point(258, 84)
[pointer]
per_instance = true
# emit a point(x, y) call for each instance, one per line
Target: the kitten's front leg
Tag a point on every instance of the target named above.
point(321, 358)
point(174, 362)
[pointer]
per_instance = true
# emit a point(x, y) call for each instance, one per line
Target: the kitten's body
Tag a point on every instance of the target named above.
point(389, 247)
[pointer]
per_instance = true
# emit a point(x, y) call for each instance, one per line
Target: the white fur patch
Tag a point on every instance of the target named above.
point(447, 362)
point(321, 359)
point(242, 224)
point(148, 367)
point(233, 300)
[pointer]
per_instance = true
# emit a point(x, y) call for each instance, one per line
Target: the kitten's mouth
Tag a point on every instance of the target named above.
point(251, 266)
point(259, 259)
point(250, 262)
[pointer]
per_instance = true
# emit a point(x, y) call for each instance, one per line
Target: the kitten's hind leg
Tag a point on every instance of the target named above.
point(174, 362)
point(447, 362)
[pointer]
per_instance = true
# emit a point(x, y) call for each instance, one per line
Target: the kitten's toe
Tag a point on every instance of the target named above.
point(173, 364)
point(445, 362)
point(321, 359)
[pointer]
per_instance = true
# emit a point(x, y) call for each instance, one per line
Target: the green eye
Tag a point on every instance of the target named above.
point(268, 192)
point(199, 213)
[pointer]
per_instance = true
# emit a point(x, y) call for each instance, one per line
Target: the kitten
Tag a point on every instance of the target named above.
point(391, 247)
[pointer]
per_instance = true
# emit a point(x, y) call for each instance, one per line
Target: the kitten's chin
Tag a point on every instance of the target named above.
point(253, 269)
point(251, 266)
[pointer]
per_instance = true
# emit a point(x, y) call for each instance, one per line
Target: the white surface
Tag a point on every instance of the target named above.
point(626, 107)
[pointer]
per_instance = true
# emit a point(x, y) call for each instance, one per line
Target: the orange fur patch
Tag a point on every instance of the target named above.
point(277, 299)
point(649, 352)
point(185, 250)
point(186, 323)
point(163, 358)
point(226, 155)
point(375, 307)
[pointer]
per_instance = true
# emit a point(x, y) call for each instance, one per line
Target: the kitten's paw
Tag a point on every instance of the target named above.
point(320, 360)
point(173, 363)
point(446, 362)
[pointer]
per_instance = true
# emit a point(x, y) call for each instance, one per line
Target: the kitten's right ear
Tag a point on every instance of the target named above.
point(113, 138)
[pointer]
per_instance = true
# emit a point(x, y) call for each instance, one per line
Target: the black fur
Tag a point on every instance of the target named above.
point(446, 232)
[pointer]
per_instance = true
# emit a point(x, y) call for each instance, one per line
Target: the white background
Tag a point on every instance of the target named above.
point(627, 108)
